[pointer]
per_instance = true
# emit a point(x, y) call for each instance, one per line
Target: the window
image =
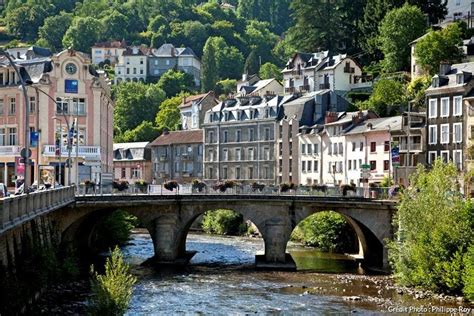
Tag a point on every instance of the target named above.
point(457, 106)
point(445, 155)
point(250, 154)
point(225, 137)
point(128, 71)
point(432, 157)
point(303, 166)
point(355, 164)
point(267, 134)
point(373, 165)
point(310, 149)
point(32, 104)
point(225, 155)
point(124, 173)
point(237, 173)
point(210, 173)
point(433, 134)
point(134, 70)
point(444, 107)
point(79, 106)
point(457, 129)
point(433, 107)
point(2, 137)
point(12, 140)
point(341, 150)
point(266, 153)
point(349, 165)
point(127, 61)
point(335, 148)
point(386, 146)
point(237, 136)
point(330, 167)
point(373, 147)
point(444, 133)
point(141, 71)
point(330, 149)
point(290, 165)
point(167, 62)
point(12, 108)
point(210, 137)
point(361, 146)
point(310, 166)
point(316, 149)
point(61, 106)
point(210, 155)
point(303, 149)
point(238, 153)
point(339, 167)
point(457, 156)
point(353, 146)
point(386, 165)
point(315, 164)
point(141, 61)
point(250, 173)
point(1, 106)
point(251, 139)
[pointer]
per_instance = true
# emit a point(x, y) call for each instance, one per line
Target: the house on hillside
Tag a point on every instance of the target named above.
point(193, 109)
point(108, 52)
point(261, 88)
point(132, 65)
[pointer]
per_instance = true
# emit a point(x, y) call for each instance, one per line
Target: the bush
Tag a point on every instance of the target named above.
point(111, 292)
point(468, 274)
point(256, 186)
point(198, 185)
point(170, 185)
point(286, 186)
point(319, 187)
point(115, 229)
point(327, 231)
point(223, 222)
point(121, 186)
point(435, 229)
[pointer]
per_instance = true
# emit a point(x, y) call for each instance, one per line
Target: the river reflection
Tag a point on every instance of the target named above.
point(221, 280)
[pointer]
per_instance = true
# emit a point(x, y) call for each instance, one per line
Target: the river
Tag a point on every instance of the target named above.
point(221, 280)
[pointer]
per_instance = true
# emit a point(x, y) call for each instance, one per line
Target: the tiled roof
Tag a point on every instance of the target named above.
point(111, 44)
point(377, 125)
point(179, 137)
point(188, 101)
point(142, 50)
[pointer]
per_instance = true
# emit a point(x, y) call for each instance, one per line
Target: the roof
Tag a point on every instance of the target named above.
point(188, 101)
point(130, 145)
point(168, 50)
point(185, 51)
point(140, 51)
point(111, 44)
point(345, 117)
point(449, 79)
point(38, 52)
point(179, 137)
point(377, 125)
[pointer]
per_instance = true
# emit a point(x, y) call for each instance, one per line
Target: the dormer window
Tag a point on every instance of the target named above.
point(459, 78)
point(435, 82)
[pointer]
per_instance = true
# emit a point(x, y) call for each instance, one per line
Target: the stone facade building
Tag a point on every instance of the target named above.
point(193, 110)
point(177, 156)
point(108, 52)
point(132, 65)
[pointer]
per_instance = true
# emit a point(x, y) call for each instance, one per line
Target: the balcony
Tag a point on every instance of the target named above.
point(91, 152)
point(413, 147)
point(10, 150)
point(323, 86)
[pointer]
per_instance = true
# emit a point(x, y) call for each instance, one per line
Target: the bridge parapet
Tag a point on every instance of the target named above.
point(17, 209)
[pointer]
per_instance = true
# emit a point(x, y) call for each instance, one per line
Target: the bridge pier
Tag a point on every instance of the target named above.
point(276, 234)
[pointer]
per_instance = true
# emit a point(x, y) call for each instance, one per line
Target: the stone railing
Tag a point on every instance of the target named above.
point(20, 208)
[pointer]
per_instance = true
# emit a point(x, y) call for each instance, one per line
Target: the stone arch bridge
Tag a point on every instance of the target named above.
point(169, 217)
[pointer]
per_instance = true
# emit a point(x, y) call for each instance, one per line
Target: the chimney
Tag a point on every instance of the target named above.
point(244, 77)
point(356, 119)
point(444, 68)
point(330, 117)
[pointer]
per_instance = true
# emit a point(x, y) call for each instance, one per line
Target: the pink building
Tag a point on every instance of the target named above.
point(63, 89)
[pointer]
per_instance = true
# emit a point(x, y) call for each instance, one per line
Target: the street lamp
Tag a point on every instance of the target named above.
point(26, 184)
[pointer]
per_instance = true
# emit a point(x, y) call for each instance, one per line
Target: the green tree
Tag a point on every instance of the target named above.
point(260, 39)
point(434, 230)
point(82, 33)
point(169, 117)
point(173, 82)
point(25, 20)
point(190, 34)
point(145, 132)
point(388, 96)
point(209, 67)
point(112, 291)
point(223, 222)
point(92, 8)
point(269, 70)
point(113, 26)
point(135, 103)
point(398, 29)
point(54, 29)
point(439, 46)
point(468, 274)
point(226, 87)
point(275, 12)
point(416, 90)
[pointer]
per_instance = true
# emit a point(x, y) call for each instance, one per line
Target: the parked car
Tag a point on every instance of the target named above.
point(4, 191)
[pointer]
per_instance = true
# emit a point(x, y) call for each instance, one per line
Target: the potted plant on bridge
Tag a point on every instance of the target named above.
point(348, 187)
point(142, 185)
point(198, 185)
point(171, 185)
point(256, 186)
point(319, 188)
point(284, 187)
point(120, 186)
point(89, 185)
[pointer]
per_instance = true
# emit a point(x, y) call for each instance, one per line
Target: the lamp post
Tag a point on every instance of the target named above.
point(60, 146)
point(26, 184)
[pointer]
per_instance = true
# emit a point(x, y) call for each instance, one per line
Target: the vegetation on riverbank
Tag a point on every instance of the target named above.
point(115, 229)
point(112, 291)
point(223, 222)
point(327, 231)
point(434, 246)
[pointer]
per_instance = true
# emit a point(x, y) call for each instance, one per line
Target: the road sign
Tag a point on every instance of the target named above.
point(365, 166)
point(23, 153)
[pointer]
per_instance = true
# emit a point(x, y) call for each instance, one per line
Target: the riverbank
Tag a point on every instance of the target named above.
point(221, 277)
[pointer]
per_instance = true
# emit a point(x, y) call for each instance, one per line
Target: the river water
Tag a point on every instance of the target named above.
point(221, 279)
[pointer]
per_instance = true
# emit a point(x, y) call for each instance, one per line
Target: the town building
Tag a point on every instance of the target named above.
point(449, 119)
point(132, 162)
point(28, 53)
point(247, 80)
point(64, 91)
point(108, 52)
point(132, 65)
point(177, 156)
point(261, 88)
point(410, 139)
point(239, 141)
point(193, 110)
point(458, 10)
point(310, 72)
point(168, 57)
